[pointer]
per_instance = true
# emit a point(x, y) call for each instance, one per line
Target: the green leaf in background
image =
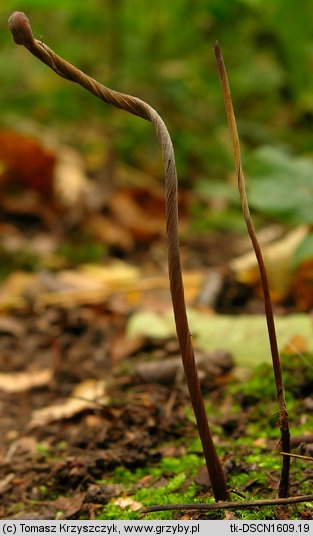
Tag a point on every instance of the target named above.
point(304, 251)
point(281, 185)
point(245, 336)
point(218, 190)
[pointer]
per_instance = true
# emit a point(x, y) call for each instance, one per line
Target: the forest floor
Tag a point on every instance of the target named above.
point(84, 438)
point(97, 424)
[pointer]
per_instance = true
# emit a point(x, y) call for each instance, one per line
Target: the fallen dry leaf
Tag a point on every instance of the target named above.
point(121, 347)
point(87, 394)
point(13, 289)
point(16, 382)
point(11, 326)
point(128, 502)
point(24, 444)
point(138, 219)
point(5, 482)
point(260, 442)
point(70, 505)
point(72, 185)
point(27, 165)
point(89, 284)
point(109, 232)
point(202, 477)
point(297, 344)
point(302, 286)
point(277, 257)
point(117, 274)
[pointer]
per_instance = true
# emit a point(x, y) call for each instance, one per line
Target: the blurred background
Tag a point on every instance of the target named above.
point(90, 377)
point(162, 53)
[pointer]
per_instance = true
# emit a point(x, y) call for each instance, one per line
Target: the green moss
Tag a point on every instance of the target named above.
point(62, 445)
point(178, 486)
point(189, 462)
point(267, 512)
point(81, 250)
point(21, 259)
point(194, 445)
point(267, 461)
point(172, 479)
point(159, 516)
point(112, 511)
point(42, 449)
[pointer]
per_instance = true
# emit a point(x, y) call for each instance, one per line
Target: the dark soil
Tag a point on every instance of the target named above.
point(63, 468)
point(60, 469)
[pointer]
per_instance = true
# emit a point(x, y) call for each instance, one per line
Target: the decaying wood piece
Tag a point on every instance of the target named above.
point(170, 371)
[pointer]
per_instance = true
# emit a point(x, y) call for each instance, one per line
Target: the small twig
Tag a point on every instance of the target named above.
point(283, 415)
point(229, 505)
point(308, 458)
point(22, 35)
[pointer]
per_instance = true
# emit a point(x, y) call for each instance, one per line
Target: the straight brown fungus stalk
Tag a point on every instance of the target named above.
point(283, 422)
point(22, 35)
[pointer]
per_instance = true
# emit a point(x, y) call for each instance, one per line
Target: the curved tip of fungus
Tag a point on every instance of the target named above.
point(20, 28)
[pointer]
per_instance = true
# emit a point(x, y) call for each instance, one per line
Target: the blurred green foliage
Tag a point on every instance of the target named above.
point(162, 52)
point(304, 251)
point(281, 185)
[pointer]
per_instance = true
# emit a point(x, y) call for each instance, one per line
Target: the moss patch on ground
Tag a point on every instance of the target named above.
point(250, 453)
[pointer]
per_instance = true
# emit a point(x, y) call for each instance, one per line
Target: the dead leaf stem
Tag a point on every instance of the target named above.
point(283, 415)
point(22, 35)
